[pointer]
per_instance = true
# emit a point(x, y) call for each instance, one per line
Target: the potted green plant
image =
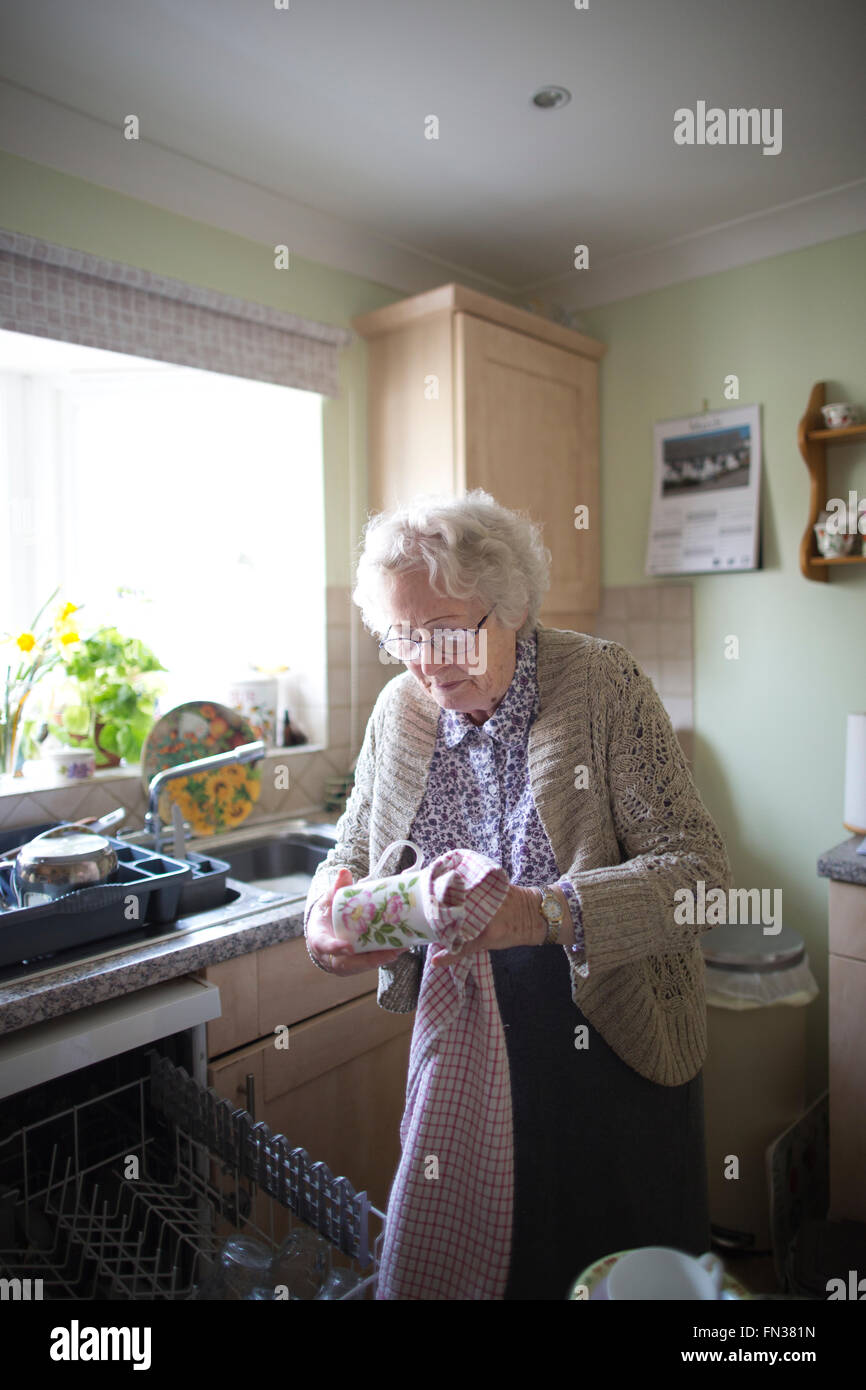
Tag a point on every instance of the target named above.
point(110, 700)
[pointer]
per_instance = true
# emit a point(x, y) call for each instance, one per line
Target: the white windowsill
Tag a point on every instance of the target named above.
point(34, 782)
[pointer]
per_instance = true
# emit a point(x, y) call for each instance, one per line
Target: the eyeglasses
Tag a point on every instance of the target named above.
point(444, 640)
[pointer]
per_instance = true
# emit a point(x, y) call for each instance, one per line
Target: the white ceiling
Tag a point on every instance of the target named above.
point(317, 114)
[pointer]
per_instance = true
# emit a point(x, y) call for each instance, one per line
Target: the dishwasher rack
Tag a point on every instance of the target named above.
point(146, 1220)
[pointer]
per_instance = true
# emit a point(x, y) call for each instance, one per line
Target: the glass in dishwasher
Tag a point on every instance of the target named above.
point(244, 1265)
point(338, 1283)
point(300, 1265)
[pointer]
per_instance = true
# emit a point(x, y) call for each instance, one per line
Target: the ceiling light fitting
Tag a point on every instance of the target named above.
point(548, 98)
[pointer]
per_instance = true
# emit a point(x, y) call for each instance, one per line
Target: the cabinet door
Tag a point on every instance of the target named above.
point(847, 1010)
point(339, 1091)
point(526, 428)
point(290, 988)
point(237, 981)
point(410, 411)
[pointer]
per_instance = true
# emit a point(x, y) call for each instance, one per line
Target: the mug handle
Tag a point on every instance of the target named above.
point(419, 857)
point(714, 1267)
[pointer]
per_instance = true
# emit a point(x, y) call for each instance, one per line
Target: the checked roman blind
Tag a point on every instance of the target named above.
point(57, 292)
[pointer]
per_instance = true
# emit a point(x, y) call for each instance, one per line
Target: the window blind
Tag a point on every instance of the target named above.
point(57, 292)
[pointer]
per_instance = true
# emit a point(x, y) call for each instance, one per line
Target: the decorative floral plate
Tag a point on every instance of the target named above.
point(210, 801)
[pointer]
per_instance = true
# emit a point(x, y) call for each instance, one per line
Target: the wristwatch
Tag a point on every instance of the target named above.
point(551, 910)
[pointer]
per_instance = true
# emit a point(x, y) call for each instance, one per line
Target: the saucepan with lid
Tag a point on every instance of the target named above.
point(59, 861)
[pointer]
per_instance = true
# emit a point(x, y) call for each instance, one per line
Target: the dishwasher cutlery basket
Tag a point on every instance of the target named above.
point(130, 1193)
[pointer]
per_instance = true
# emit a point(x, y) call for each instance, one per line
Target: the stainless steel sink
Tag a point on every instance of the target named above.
point(280, 863)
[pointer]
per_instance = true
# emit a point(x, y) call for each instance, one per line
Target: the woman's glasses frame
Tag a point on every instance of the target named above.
point(416, 647)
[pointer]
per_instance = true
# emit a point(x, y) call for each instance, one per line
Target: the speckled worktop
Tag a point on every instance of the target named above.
point(843, 863)
point(75, 986)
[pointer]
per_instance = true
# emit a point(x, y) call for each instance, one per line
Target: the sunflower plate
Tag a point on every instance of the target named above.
point(210, 801)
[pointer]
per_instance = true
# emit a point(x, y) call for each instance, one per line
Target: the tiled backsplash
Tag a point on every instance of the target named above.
point(653, 622)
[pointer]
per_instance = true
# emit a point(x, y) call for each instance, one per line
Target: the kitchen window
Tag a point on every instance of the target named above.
point(183, 505)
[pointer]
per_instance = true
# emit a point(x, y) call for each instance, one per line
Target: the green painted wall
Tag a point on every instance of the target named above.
point(770, 727)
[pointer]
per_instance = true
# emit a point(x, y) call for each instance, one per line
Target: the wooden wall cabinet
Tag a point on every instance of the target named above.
point(465, 391)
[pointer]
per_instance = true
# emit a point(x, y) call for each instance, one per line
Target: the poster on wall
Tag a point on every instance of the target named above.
point(706, 493)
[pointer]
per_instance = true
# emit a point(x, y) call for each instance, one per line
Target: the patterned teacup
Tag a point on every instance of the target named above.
point(382, 914)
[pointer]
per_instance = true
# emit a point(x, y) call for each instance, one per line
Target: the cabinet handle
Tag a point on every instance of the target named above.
point(250, 1092)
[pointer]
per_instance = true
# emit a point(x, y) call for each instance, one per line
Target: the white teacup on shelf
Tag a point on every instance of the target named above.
point(381, 914)
point(839, 415)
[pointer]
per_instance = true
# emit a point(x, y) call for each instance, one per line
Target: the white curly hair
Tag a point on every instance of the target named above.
point(469, 545)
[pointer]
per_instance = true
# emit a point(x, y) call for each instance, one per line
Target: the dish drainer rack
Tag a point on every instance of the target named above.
point(186, 1170)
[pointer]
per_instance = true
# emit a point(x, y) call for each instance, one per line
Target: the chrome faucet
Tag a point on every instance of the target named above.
point(245, 753)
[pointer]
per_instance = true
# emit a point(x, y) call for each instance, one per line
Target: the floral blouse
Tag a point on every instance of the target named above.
point(478, 794)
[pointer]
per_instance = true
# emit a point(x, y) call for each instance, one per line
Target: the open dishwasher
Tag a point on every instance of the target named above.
point(130, 1192)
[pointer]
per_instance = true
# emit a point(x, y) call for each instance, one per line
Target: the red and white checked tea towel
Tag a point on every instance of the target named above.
point(448, 1228)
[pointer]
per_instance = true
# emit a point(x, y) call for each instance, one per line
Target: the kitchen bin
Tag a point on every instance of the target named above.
point(754, 1074)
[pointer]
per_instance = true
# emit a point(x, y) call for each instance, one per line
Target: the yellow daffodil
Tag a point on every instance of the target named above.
point(67, 639)
point(26, 641)
point(66, 610)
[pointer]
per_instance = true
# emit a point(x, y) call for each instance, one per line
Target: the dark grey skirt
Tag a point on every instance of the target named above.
point(604, 1159)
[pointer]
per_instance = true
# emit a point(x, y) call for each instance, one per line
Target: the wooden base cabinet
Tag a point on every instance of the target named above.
point(338, 1090)
point(847, 1013)
point(465, 391)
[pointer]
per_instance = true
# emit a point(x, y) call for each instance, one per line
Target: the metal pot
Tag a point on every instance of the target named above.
point(60, 861)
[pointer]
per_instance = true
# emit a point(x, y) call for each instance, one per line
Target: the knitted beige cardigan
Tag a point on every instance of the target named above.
point(628, 840)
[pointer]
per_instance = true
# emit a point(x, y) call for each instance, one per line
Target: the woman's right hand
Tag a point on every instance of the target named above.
point(332, 953)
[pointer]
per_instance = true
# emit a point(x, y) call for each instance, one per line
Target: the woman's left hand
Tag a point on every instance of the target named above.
point(518, 922)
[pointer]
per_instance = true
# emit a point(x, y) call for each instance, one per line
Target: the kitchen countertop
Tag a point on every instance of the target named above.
point(843, 863)
point(52, 993)
point(77, 984)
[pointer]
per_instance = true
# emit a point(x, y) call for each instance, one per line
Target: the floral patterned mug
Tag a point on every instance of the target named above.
point(382, 914)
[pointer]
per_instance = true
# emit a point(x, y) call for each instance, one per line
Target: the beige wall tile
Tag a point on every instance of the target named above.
point(339, 606)
point(339, 648)
point(681, 711)
point(372, 679)
point(642, 602)
point(676, 678)
point(643, 639)
point(652, 669)
point(339, 686)
point(613, 603)
point(686, 739)
point(339, 725)
point(612, 631)
point(675, 640)
point(675, 601)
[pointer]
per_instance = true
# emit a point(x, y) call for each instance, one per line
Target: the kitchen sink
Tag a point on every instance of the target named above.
point(280, 863)
point(265, 870)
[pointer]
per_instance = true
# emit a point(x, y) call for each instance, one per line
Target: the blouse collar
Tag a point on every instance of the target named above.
point(510, 721)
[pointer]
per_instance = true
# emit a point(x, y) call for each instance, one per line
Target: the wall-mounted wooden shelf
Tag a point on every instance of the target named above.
point(812, 440)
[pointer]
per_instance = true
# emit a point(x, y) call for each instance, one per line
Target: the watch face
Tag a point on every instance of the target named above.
point(552, 908)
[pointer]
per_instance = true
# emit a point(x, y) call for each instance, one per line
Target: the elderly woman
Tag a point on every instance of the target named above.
point(550, 752)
